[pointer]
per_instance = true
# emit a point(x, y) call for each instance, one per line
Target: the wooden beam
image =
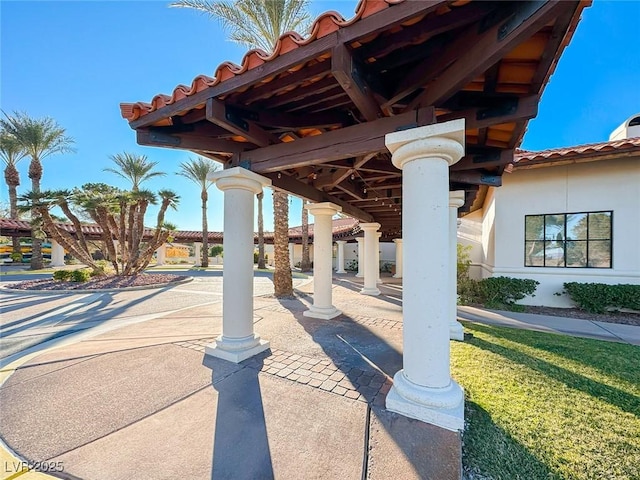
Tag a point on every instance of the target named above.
point(185, 141)
point(236, 121)
point(490, 158)
point(351, 190)
point(476, 178)
point(509, 110)
point(387, 18)
point(300, 189)
point(347, 142)
point(478, 51)
point(352, 80)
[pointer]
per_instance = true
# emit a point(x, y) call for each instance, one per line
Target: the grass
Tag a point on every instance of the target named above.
point(545, 406)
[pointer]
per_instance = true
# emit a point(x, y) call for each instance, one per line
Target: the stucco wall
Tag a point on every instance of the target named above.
point(587, 187)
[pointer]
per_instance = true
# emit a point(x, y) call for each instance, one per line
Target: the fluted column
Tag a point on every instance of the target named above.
point(424, 389)
point(340, 259)
point(360, 241)
point(238, 340)
point(456, 200)
point(322, 260)
point(398, 242)
point(370, 258)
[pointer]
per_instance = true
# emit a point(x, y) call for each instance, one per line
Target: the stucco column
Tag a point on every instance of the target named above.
point(370, 258)
point(360, 241)
point(398, 242)
point(378, 235)
point(57, 254)
point(456, 200)
point(161, 254)
point(292, 247)
point(198, 252)
point(340, 265)
point(238, 340)
point(424, 389)
point(322, 260)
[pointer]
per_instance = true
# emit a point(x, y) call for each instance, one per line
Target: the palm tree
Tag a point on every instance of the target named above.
point(135, 168)
point(282, 281)
point(39, 137)
point(255, 23)
point(12, 152)
point(261, 263)
point(198, 170)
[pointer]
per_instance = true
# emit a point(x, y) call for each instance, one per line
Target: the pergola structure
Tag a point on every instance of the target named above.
point(380, 117)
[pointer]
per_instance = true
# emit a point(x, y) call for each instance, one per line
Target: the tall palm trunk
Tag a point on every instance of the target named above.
point(205, 229)
point(35, 174)
point(282, 280)
point(261, 263)
point(12, 178)
point(305, 264)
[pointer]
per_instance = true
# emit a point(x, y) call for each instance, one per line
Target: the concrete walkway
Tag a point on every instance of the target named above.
point(142, 401)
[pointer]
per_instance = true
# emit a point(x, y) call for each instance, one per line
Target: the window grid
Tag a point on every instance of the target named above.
point(565, 241)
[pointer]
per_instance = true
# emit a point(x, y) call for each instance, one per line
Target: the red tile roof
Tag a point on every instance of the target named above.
point(523, 158)
point(323, 25)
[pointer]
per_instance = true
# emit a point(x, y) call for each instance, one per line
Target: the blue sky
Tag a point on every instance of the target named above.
point(76, 61)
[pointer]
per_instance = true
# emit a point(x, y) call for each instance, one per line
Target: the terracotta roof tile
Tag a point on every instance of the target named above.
point(323, 25)
point(524, 157)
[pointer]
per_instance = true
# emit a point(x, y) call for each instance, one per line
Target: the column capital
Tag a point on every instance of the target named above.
point(359, 239)
point(374, 226)
point(440, 140)
point(456, 199)
point(343, 242)
point(323, 208)
point(239, 178)
point(397, 241)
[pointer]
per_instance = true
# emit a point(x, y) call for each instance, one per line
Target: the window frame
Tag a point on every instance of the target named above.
point(586, 241)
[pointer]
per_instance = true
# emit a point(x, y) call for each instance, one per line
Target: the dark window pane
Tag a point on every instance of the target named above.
point(534, 227)
point(576, 254)
point(554, 254)
point(577, 226)
point(534, 254)
point(600, 226)
point(554, 227)
point(600, 254)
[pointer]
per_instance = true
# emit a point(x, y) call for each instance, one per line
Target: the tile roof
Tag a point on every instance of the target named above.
point(323, 25)
point(524, 158)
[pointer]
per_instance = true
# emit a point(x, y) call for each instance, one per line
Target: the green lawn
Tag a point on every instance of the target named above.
point(545, 406)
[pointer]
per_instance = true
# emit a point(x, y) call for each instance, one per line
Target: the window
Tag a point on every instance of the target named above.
point(572, 240)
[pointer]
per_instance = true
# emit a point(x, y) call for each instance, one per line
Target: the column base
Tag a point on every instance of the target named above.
point(56, 265)
point(397, 276)
point(456, 332)
point(236, 350)
point(340, 271)
point(370, 291)
point(324, 313)
point(359, 275)
point(442, 407)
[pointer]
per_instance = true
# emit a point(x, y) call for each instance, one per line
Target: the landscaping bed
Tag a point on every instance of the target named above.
point(627, 318)
point(102, 283)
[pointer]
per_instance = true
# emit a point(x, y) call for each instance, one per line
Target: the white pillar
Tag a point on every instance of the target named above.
point(456, 200)
point(340, 266)
point(360, 241)
point(377, 240)
point(161, 254)
point(198, 252)
point(322, 260)
point(292, 247)
point(369, 260)
point(424, 389)
point(398, 242)
point(238, 340)
point(57, 254)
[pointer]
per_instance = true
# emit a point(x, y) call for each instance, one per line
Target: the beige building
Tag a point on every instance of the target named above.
point(563, 215)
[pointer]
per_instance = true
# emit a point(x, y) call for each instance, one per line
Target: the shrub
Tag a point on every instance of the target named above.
point(16, 257)
point(464, 261)
point(62, 275)
point(103, 267)
point(496, 292)
point(80, 276)
point(352, 266)
point(600, 297)
point(217, 250)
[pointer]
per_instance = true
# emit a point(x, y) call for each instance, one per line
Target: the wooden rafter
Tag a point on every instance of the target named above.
point(235, 121)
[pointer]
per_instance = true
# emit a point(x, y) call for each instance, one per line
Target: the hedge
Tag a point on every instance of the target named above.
point(600, 297)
